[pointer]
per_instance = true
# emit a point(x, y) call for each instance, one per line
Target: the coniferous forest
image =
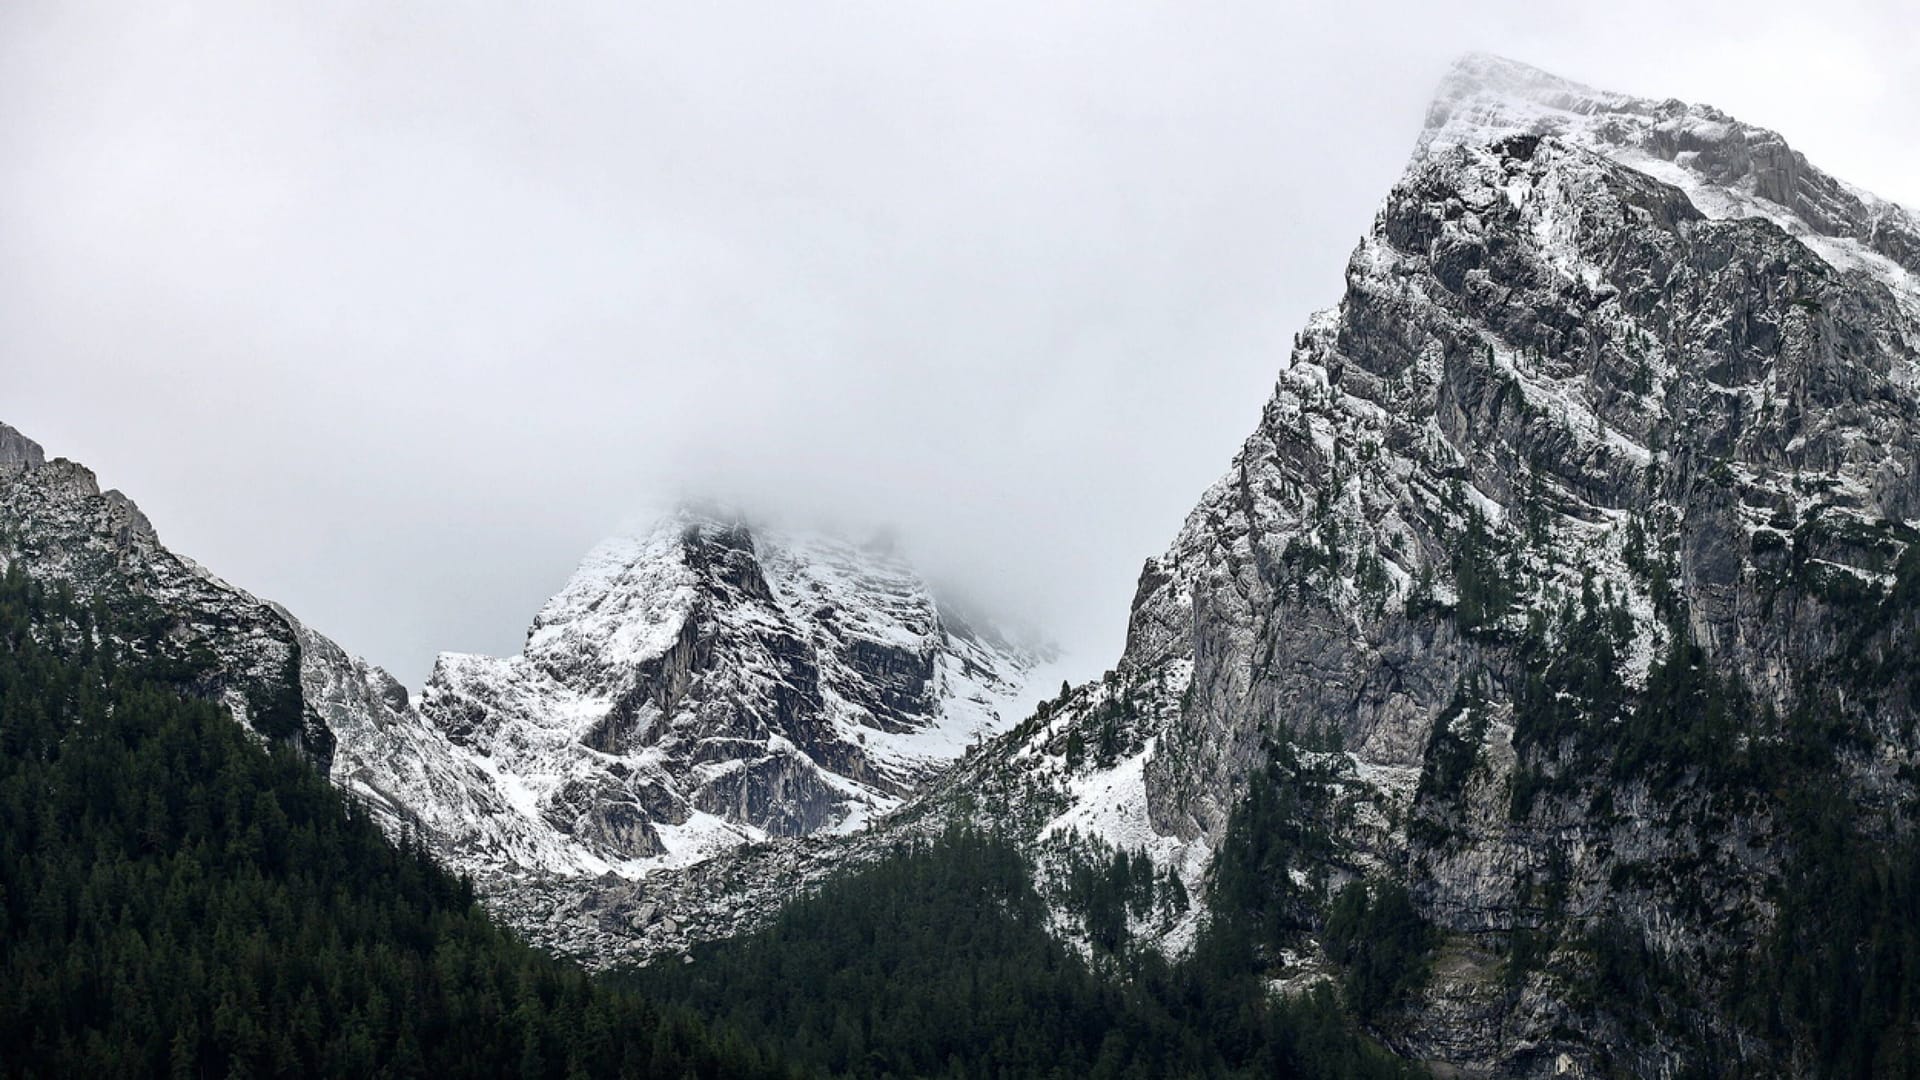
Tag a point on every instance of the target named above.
point(938, 961)
point(180, 901)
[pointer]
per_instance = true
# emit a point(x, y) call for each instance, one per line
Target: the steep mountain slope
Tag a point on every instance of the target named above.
point(690, 690)
point(1577, 540)
point(59, 527)
point(1568, 579)
point(179, 901)
point(706, 685)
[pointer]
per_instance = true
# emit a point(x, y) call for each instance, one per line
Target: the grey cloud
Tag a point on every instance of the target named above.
point(389, 311)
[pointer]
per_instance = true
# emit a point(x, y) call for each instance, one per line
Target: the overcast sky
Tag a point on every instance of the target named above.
point(389, 310)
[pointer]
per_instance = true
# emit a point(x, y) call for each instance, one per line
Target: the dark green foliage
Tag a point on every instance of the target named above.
point(1831, 987)
point(1536, 513)
point(1568, 691)
point(1840, 973)
point(1106, 891)
point(1280, 830)
point(1383, 944)
point(1689, 721)
point(1629, 979)
point(1690, 724)
point(177, 900)
point(1633, 548)
point(1453, 752)
point(937, 962)
point(1111, 731)
point(279, 711)
point(1486, 589)
point(1076, 752)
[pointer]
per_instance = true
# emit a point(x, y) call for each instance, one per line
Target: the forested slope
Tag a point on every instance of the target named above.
point(176, 899)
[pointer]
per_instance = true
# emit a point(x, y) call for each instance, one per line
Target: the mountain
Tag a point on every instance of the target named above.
point(1564, 602)
point(59, 527)
point(1544, 673)
point(693, 688)
point(182, 900)
point(1577, 542)
point(707, 684)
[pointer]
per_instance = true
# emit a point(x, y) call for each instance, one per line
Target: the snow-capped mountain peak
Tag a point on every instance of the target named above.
point(1727, 168)
point(706, 682)
point(694, 686)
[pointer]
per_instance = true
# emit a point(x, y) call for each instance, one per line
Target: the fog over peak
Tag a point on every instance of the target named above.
point(390, 313)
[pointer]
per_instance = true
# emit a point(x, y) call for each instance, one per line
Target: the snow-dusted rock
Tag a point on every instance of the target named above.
point(1613, 354)
point(1625, 349)
point(1622, 348)
point(707, 684)
point(59, 527)
point(691, 689)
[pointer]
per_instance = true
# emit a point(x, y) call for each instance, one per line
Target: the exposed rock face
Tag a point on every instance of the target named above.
point(1564, 334)
point(690, 690)
point(707, 684)
point(1612, 381)
point(17, 452)
point(1736, 169)
point(59, 527)
point(1610, 378)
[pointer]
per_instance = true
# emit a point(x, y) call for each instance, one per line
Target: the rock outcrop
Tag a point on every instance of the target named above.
point(693, 689)
point(708, 684)
point(1604, 465)
point(58, 526)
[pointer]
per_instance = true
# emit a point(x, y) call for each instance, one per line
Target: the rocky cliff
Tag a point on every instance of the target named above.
point(1576, 543)
point(692, 689)
point(707, 684)
point(1568, 579)
point(59, 526)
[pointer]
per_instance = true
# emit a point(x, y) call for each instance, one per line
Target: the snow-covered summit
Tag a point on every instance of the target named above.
point(1729, 169)
point(1484, 98)
point(1612, 379)
point(697, 685)
point(706, 682)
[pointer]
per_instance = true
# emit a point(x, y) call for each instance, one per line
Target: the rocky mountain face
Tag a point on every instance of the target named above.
point(57, 525)
point(1575, 547)
point(278, 677)
point(698, 687)
point(1568, 579)
point(706, 685)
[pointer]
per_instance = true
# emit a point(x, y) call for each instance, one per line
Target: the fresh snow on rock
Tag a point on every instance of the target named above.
point(705, 684)
point(695, 687)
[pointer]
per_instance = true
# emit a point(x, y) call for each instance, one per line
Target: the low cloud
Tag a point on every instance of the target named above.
point(389, 312)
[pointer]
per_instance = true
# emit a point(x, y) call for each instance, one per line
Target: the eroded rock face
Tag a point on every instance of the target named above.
point(1610, 375)
point(707, 684)
point(58, 527)
point(19, 453)
point(692, 689)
